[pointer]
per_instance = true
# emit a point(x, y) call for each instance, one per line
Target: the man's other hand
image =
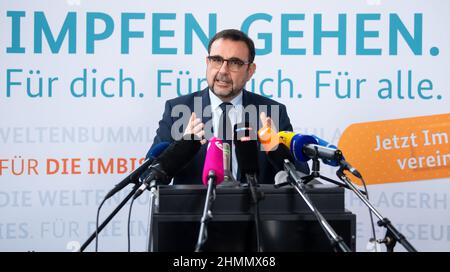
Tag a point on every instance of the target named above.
point(196, 127)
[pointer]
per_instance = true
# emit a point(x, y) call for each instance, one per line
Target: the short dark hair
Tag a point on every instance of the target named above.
point(235, 35)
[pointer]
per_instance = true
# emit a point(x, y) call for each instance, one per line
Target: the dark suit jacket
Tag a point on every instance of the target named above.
point(192, 172)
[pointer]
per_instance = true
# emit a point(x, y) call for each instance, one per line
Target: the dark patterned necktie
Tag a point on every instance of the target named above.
point(225, 128)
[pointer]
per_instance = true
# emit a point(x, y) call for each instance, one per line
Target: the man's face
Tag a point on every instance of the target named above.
point(223, 82)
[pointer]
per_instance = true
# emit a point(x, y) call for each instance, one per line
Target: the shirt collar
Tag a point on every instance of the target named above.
point(216, 101)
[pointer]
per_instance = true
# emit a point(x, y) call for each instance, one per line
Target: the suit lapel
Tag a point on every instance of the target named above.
point(206, 114)
point(206, 117)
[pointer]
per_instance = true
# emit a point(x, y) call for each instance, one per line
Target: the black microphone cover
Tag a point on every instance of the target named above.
point(313, 150)
point(178, 155)
point(246, 147)
point(277, 157)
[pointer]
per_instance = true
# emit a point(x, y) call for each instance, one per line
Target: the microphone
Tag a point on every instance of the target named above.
point(213, 174)
point(213, 167)
point(295, 143)
point(286, 138)
point(276, 153)
point(168, 164)
point(306, 147)
point(229, 180)
point(246, 147)
point(324, 143)
point(268, 138)
point(303, 146)
point(314, 150)
point(247, 156)
point(154, 152)
point(335, 155)
point(227, 161)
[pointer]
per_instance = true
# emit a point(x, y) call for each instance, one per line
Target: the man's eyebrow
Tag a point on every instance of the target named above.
point(232, 58)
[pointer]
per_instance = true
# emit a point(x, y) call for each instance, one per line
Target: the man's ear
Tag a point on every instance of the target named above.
point(251, 70)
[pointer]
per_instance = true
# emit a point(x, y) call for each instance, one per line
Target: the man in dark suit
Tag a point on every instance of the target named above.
point(229, 66)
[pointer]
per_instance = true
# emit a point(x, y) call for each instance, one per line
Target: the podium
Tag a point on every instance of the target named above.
point(287, 224)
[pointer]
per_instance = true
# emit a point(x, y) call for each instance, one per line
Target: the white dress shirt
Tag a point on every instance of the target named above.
point(235, 115)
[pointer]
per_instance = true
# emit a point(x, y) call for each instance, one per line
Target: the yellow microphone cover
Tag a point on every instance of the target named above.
point(286, 138)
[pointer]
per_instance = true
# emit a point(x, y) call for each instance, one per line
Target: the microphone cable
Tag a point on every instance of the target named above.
point(129, 225)
point(370, 212)
point(96, 224)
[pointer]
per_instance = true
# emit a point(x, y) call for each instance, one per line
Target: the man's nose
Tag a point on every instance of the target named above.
point(224, 68)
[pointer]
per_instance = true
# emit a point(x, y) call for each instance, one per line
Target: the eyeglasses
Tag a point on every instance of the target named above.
point(234, 64)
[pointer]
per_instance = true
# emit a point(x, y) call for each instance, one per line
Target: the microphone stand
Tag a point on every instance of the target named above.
point(256, 197)
point(392, 234)
point(109, 218)
point(153, 199)
point(296, 181)
point(207, 215)
point(316, 174)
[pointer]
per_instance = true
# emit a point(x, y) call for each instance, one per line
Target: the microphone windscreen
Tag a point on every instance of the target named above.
point(226, 157)
point(277, 157)
point(268, 138)
point(214, 161)
point(178, 155)
point(286, 138)
point(297, 143)
point(156, 150)
point(246, 148)
point(281, 177)
point(226, 150)
point(324, 143)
